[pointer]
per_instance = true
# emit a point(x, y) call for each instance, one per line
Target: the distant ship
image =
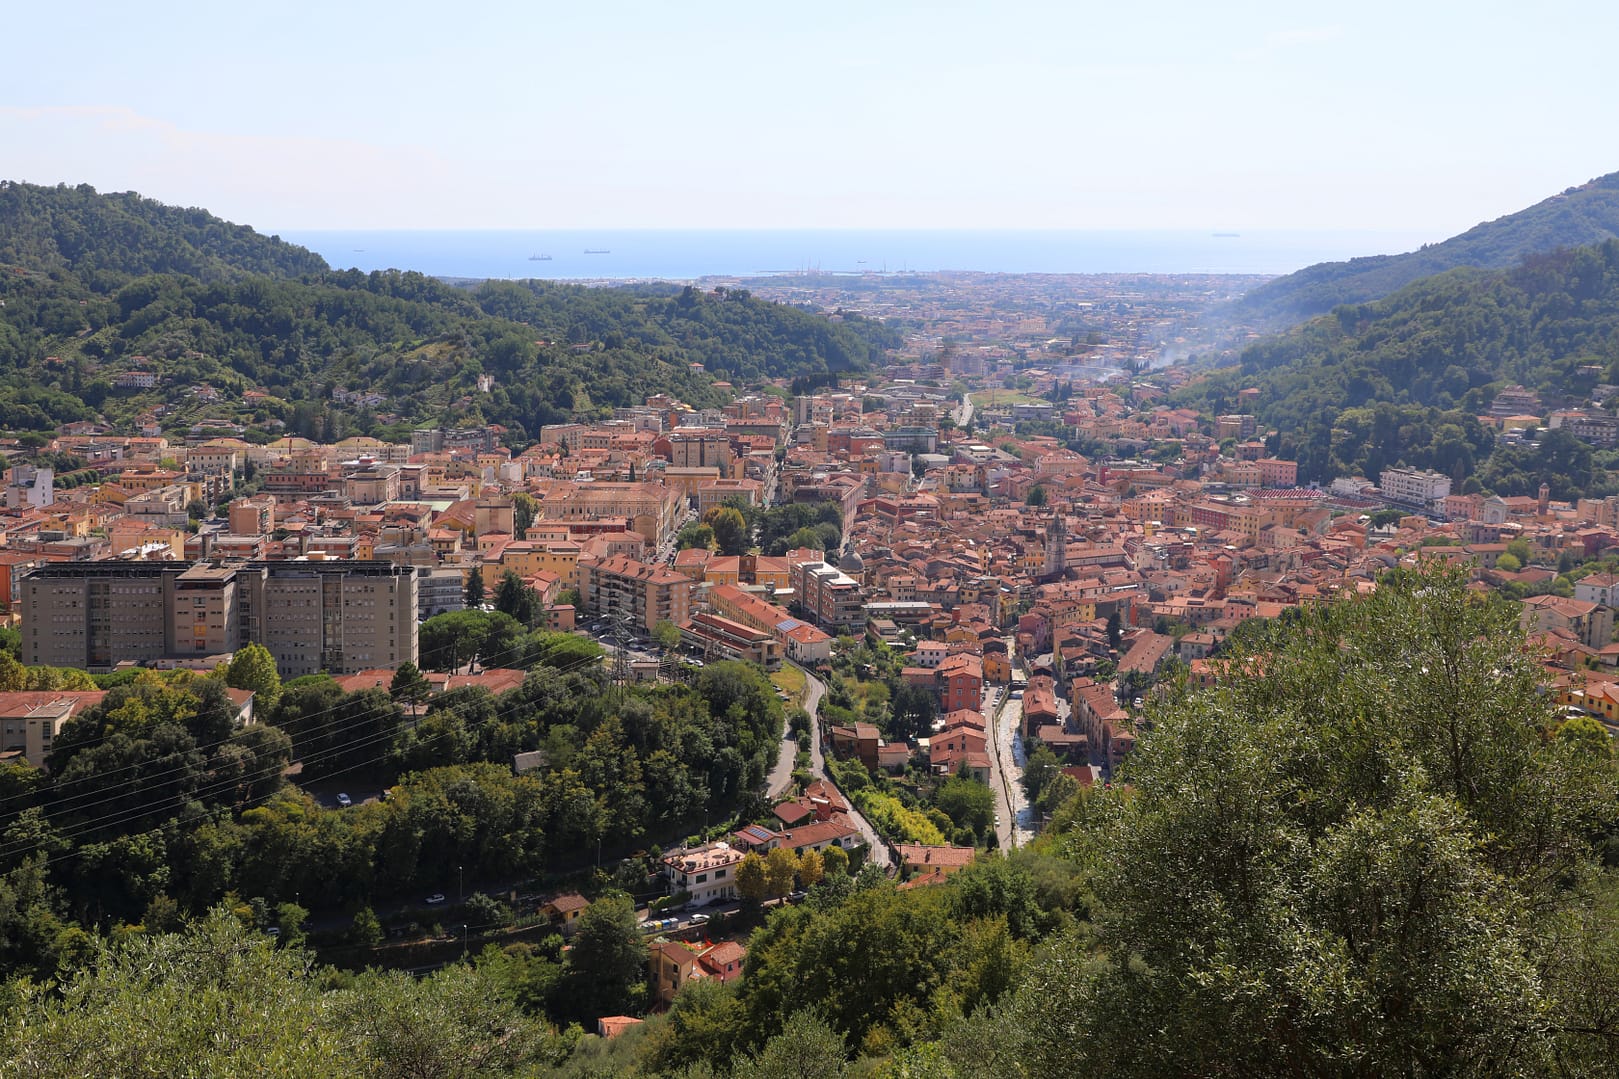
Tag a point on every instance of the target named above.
point(594, 251)
point(539, 258)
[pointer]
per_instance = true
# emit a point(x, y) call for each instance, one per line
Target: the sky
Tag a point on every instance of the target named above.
point(1423, 116)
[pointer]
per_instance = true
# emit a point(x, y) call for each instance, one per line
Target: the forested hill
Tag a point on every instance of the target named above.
point(1581, 215)
point(344, 352)
point(1404, 379)
point(103, 238)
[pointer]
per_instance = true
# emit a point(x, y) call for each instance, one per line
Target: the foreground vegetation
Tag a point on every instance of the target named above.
point(1373, 849)
point(155, 809)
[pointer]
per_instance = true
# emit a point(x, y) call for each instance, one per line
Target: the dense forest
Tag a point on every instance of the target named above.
point(155, 808)
point(106, 239)
point(86, 299)
point(1404, 379)
point(1388, 854)
point(1582, 215)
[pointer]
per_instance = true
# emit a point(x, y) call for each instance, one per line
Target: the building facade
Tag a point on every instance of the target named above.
point(333, 616)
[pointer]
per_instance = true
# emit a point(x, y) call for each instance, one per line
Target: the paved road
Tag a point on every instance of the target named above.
point(812, 705)
point(1001, 715)
point(782, 774)
point(964, 412)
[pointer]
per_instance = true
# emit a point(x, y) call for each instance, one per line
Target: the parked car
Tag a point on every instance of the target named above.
point(344, 800)
point(435, 899)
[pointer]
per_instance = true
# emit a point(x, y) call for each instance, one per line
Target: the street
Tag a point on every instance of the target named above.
point(879, 849)
point(782, 774)
point(998, 721)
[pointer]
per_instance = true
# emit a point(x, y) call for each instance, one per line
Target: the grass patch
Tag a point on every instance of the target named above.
point(1002, 398)
point(791, 681)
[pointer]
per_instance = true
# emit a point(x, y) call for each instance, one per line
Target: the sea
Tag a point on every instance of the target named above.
point(693, 254)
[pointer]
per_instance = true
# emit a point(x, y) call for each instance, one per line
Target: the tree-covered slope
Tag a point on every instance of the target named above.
point(104, 237)
point(1404, 378)
point(1581, 215)
point(93, 292)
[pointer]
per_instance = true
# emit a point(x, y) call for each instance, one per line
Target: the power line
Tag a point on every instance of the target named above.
point(105, 821)
point(514, 650)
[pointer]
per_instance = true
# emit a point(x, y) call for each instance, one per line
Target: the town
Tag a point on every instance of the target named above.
point(968, 576)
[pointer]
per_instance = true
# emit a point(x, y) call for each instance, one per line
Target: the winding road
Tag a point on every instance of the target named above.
point(781, 775)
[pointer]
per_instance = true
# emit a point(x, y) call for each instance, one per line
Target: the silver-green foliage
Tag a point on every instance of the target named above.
point(1364, 854)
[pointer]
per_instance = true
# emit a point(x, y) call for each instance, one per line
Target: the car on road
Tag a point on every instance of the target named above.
point(435, 899)
point(344, 800)
point(699, 919)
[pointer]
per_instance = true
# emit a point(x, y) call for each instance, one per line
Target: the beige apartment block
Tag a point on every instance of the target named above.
point(337, 616)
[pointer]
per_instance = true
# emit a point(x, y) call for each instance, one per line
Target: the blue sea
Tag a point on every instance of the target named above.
point(686, 254)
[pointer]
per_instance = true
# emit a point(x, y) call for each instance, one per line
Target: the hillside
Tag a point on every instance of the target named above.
point(1581, 215)
point(1404, 379)
point(102, 238)
point(95, 287)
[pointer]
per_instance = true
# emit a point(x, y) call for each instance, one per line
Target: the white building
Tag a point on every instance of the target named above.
point(1414, 488)
point(708, 873)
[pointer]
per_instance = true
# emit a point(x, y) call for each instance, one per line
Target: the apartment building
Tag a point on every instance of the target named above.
point(829, 595)
point(335, 616)
point(30, 720)
point(648, 594)
point(1414, 487)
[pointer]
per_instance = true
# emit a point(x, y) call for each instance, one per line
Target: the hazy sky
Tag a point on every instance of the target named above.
point(1415, 115)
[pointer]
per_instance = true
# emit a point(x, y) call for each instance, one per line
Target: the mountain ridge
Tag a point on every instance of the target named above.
point(1576, 217)
point(96, 286)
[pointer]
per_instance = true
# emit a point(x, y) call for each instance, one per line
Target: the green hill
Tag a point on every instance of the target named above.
point(1581, 215)
point(1404, 378)
point(103, 237)
point(95, 286)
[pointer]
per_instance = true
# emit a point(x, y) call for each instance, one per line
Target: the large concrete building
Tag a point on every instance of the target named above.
point(334, 616)
point(1414, 487)
point(828, 595)
point(647, 594)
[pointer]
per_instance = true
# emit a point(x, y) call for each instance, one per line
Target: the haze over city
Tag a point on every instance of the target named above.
point(903, 115)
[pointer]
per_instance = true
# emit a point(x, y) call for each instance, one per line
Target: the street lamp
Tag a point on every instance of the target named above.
point(460, 886)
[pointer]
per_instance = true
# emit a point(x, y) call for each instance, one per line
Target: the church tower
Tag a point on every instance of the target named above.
point(1056, 547)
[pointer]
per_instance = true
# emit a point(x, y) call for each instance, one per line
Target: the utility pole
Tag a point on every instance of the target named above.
point(621, 656)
